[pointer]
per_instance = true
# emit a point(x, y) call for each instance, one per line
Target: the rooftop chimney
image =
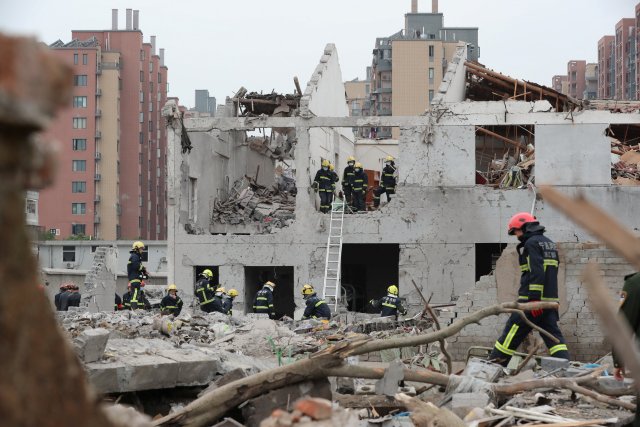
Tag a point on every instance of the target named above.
point(136, 19)
point(434, 6)
point(114, 19)
point(414, 6)
point(128, 19)
point(153, 45)
point(162, 57)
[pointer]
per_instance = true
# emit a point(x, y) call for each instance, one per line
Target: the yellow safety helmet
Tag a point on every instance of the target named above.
point(331, 167)
point(393, 290)
point(221, 289)
point(325, 162)
point(351, 159)
point(358, 165)
point(207, 273)
point(389, 159)
point(137, 245)
point(307, 289)
point(172, 287)
point(232, 293)
point(273, 285)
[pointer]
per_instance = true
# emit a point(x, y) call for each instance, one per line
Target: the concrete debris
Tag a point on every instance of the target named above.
point(271, 208)
point(90, 344)
point(624, 163)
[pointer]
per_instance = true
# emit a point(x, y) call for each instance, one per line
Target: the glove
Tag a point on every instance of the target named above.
point(537, 312)
point(618, 374)
point(315, 186)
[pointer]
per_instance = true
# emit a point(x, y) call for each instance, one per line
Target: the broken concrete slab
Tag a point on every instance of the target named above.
point(388, 384)
point(552, 363)
point(90, 344)
point(463, 403)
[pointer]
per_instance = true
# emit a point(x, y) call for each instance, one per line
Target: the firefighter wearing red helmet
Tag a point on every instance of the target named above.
point(538, 259)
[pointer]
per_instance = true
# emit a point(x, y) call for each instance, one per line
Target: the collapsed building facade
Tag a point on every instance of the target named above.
point(444, 229)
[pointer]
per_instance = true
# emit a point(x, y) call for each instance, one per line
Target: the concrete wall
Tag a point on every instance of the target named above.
point(371, 153)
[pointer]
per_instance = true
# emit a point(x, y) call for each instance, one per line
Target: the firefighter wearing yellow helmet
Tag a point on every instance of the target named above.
point(171, 303)
point(316, 308)
point(205, 290)
point(263, 302)
point(390, 304)
point(359, 189)
point(387, 181)
point(227, 301)
point(347, 180)
point(136, 273)
point(324, 184)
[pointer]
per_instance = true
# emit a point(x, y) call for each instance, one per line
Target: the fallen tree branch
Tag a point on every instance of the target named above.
point(213, 405)
point(601, 397)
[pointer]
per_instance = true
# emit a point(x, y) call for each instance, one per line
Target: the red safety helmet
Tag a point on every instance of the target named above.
point(518, 220)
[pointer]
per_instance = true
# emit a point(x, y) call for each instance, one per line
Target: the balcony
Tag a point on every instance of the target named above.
point(98, 155)
point(97, 198)
point(98, 92)
point(98, 113)
point(98, 134)
point(98, 177)
point(96, 219)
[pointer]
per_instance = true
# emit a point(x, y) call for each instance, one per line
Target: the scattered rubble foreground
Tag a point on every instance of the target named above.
point(133, 351)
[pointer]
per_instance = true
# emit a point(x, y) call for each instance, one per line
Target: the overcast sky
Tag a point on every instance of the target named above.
point(222, 45)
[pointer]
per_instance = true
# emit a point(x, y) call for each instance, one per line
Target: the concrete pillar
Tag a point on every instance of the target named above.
point(304, 201)
point(434, 6)
point(136, 19)
point(114, 19)
point(129, 19)
point(414, 6)
point(232, 277)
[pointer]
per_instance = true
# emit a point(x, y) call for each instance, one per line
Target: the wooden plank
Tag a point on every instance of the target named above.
point(367, 401)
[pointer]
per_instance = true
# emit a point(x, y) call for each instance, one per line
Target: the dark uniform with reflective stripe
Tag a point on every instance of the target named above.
point(630, 309)
point(387, 184)
point(227, 305)
point(126, 300)
point(316, 308)
point(347, 183)
point(326, 185)
point(390, 305)
point(205, 294)
point(217, 303)
point(57, 299)
point(263, 302)
point(135, 273)
point(170, 305)
point(539, 263)
point(359, 189)
point(73, 300)
point(118, 303)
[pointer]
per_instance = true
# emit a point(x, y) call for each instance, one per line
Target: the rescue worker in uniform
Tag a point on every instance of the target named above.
point(630, 310)
point(58, 296)
point(263, 302)
point(323, 183)
point(136, 272)
point(334, 177)
point(359, 188)
point(538, 258)
point(126, 298)
point(227, 301)
point(390, 304)
point(218, 298)
point(171, 303)
point(347, 180)
point(316, 308)
point(387, 182)
point(74, 298)
point(205, 291)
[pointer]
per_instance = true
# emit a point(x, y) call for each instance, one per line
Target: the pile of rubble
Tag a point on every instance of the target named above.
point(509, 171)
point(250, 203)
point(624, 163)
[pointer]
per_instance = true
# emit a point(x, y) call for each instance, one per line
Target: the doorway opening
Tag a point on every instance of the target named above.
point(367, 271)
point(487, 255)
point(283, 301)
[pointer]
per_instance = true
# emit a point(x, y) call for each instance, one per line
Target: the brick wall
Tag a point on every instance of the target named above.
point(577, 322)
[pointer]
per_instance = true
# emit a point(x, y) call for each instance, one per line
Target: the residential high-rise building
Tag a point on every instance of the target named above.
point(111, 179)
point(606, 67)
point(421, 51)
point(358, 100)
point(204, 102)
point(591, 81)
point(576, 78)
point(559, 83)
point(625, 65)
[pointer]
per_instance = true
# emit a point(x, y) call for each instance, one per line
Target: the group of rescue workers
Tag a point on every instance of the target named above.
point(354, 184)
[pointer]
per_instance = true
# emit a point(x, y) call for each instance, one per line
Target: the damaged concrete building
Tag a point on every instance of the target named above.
point(446, 227)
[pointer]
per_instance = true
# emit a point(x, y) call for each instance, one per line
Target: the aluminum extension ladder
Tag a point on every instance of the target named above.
point(331, 290)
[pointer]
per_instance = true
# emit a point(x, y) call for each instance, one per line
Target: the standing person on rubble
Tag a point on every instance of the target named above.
point(263, 302)
point(359, 188)
point(387, 182)
point(390, 304)
point(74, 297)
point(630, 310)
point(64, 296)
point(335, 178)
point(538, 258)
point(58, 296)
point(136, 272)
point(347, 180)
point(171, 303)
point(205, 291)
point(126, 298)
point(227, 301)
point(323, 183)
point(316, 308)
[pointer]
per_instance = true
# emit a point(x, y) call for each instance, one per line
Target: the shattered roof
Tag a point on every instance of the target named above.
point(484, 84)
point(90, 42)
